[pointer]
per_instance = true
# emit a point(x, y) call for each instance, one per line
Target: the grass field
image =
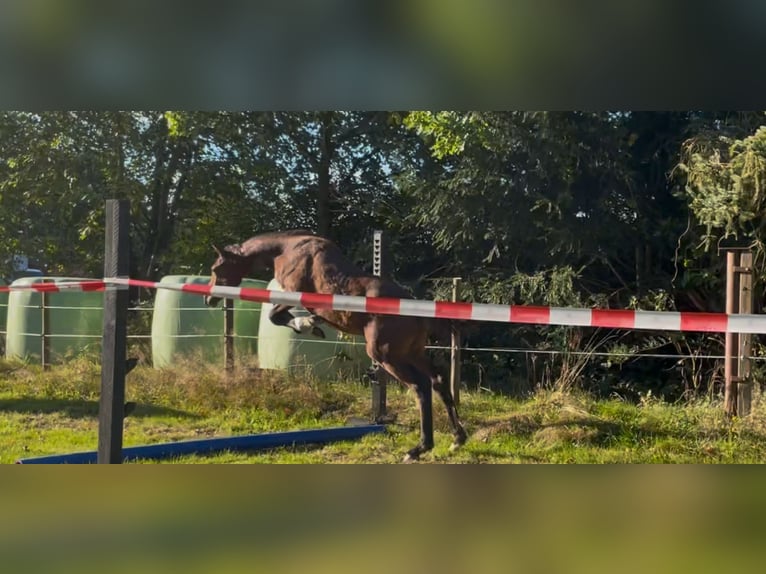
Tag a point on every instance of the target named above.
point(55, 412)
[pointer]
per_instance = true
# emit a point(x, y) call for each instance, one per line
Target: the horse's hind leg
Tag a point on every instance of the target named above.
point(446, 396)
point(443, 390)
point(413, 377)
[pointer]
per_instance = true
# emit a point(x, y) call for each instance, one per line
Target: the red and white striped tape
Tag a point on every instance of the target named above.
point(51, 287)
point(607, 318)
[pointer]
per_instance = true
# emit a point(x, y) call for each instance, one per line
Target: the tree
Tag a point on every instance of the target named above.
point(547, 208)
point(190, 177)
point(339, 171)
point(723, 172)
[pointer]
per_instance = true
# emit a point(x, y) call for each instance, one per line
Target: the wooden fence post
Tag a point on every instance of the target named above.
point(739, 299)
point(744, 347)
point(114, 343)
point(731, 339)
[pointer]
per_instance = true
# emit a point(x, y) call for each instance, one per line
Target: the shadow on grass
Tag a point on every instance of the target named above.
point(482, 453)
point(77, 408)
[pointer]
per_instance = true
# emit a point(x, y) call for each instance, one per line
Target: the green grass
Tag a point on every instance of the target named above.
point(55, 411)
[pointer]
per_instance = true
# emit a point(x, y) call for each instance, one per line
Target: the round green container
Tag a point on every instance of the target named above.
point(282, 348)
point(75, 321)
point(182, 325)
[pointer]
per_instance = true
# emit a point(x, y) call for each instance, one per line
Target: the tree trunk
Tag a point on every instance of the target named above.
point(324, 189)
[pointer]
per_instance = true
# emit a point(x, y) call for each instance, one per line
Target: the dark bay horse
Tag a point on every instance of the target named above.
point(308, 263)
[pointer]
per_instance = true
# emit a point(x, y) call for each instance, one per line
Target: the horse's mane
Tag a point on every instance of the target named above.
point(286, 233)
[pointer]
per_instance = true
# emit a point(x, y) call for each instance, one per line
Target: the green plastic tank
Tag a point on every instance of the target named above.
point(75, 321)
point(182, 325)
point(282, 348)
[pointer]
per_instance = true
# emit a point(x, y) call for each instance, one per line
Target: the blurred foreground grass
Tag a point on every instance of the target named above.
point(383, 518)
point(332, 519)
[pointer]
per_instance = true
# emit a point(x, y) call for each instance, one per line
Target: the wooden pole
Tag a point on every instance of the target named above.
point(731, 374)
point(454, 379)
point(228, 334)
point(745, 387)
point(114, 344)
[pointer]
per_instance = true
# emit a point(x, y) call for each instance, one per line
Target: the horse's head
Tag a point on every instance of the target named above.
point(228, 270)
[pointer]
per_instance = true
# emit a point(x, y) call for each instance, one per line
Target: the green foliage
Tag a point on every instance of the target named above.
point(448, 131)
point(608, 209)
point(726, 184)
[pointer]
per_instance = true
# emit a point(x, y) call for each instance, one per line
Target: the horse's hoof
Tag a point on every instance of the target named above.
point(410, 458)
point(317, 332)
point(413, 454)
point(459, 439)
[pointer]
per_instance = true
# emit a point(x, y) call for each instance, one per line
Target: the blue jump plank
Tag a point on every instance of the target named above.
point(205, 446)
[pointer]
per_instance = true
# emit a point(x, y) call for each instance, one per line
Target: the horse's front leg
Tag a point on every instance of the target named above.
point(280, 315)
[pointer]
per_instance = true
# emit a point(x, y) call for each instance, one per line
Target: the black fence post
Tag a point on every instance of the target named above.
point(454, 373)
point(228, 335)
point(45, 328)
point(114, 344)
point(378, 377)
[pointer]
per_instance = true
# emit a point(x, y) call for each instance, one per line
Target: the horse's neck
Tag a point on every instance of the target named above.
point(263, 247)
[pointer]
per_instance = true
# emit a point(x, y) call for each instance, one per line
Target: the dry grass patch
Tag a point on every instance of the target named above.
point(516, 424)
point(576, 434)
point(207, 389)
